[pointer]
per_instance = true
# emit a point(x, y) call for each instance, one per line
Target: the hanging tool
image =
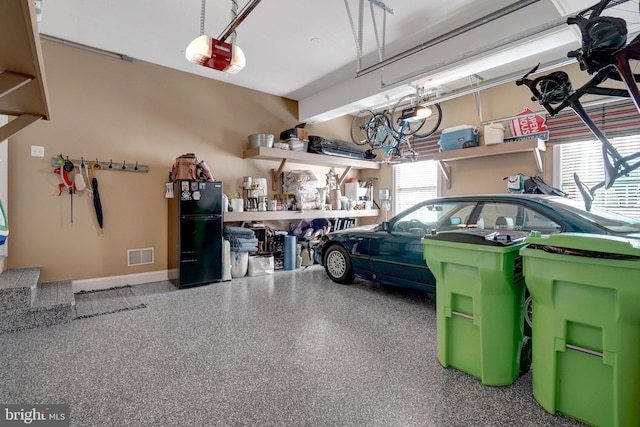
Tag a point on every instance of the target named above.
point(78, 179)
point(96, 196)
point(63, 170)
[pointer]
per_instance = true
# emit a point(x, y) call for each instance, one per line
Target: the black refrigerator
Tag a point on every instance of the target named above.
point(195, 232)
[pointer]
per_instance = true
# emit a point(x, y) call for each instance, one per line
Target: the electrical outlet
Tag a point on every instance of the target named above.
point(37, 151)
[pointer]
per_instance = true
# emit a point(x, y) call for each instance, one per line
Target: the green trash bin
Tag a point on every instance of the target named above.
point(479, 303)
point(586, 326)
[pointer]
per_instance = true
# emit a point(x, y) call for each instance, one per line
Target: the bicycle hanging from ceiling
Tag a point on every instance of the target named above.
point(391, 132)
point(605, 53)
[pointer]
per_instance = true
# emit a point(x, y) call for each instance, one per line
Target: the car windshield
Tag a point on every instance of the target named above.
point(616, 223)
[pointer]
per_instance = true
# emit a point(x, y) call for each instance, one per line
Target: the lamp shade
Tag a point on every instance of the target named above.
point(424, 112)
point(199, 50)
point(238, 61)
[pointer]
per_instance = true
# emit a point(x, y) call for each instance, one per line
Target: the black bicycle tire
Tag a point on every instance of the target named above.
point(394, 123)
point(358, 116)
point(436, 123)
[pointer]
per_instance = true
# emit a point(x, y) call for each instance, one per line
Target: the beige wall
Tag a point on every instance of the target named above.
point(114, 110)
point(110, 109)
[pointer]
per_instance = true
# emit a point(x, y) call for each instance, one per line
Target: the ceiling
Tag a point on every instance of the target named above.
point(305, 49)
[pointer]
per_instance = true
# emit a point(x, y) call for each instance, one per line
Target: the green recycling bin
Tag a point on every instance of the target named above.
point(586, 325)
point(479, 303)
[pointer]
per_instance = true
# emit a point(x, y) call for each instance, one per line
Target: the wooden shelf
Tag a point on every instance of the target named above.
point(301, 157)
point(265, 153)
point(534, 146)
point(23, 90)
point(307, 214)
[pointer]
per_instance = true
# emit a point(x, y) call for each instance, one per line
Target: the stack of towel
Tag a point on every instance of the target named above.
point(241, 239)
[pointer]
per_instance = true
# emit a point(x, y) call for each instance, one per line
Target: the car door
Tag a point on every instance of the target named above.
point(397, 254)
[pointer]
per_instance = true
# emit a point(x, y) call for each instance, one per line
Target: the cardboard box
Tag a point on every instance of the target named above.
point(302, 133)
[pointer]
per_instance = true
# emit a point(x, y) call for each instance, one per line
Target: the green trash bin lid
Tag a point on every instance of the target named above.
point(584, 244)
point(479, 237)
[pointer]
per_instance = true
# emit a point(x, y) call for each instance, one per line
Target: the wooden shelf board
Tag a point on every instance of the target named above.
point(491, 150)
point(307, 214)
point(265, 153)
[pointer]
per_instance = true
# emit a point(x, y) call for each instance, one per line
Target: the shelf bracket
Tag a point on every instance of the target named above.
point(10, 81)
point(538, 158)
point(16, 125)
point(446, 172)
point(275, 176)
point(344, 175)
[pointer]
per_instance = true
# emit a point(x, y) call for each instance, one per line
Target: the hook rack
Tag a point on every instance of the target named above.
point(107, 166)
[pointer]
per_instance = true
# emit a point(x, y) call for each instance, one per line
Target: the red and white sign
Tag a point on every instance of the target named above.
point(529, 124)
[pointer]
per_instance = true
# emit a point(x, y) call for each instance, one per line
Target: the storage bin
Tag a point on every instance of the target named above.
point(260, 265)
point(239, 264)
point(586, 326)
point(458, 137)
point(493, 133)
point(480, 303)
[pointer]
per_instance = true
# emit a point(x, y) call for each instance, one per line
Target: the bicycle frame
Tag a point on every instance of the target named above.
point(387, 139)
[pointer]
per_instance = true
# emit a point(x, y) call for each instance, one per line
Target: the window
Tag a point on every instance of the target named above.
point(585, 159)
point(414, 182)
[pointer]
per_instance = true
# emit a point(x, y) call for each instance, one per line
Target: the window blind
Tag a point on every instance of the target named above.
point(614, 119)
point(414, 182)
point(585, 158)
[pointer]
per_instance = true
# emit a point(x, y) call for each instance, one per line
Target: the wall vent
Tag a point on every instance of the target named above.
point(140, 256)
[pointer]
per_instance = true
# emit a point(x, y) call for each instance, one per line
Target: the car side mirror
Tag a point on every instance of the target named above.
point(455, 221)
point(386, 226)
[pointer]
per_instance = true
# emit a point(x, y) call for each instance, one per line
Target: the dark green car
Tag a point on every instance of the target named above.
point(391, 253)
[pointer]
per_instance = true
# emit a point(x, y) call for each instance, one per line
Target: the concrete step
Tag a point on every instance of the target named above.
point(15, 287)
point(50, 303)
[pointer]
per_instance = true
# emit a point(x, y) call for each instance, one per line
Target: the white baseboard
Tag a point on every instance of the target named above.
point(117, 281)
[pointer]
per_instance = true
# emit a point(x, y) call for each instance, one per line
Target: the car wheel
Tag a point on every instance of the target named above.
point(528, 315)
point(337, 264)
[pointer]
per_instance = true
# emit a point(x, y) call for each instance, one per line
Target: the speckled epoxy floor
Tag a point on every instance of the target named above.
point(289, 349)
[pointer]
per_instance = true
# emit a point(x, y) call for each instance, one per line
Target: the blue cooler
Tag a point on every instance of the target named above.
point(458, 137)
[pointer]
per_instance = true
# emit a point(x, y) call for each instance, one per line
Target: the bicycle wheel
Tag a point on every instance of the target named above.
point(360, 126)
point(431, 123)
point(412, 124)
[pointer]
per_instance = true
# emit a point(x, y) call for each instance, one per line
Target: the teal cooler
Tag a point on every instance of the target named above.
point(586, 326)
point(479, 302)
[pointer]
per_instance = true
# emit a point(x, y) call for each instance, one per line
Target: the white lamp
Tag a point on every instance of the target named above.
point(424, 112)
point(199, 50)
point(238, 61)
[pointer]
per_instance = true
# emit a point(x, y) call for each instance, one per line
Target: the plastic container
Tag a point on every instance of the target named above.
point(239, 264)
point(493, 133)
point(586, 326)
point(457, 137)
point(290, 252)
point(260, 265)
point(479, 303)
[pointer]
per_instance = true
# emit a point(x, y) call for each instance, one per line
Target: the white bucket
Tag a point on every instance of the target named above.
point(239, 264)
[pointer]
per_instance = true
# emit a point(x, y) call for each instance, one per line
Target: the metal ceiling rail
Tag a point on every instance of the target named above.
point(248, 8)
point(449, 35)
point(498, 82)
